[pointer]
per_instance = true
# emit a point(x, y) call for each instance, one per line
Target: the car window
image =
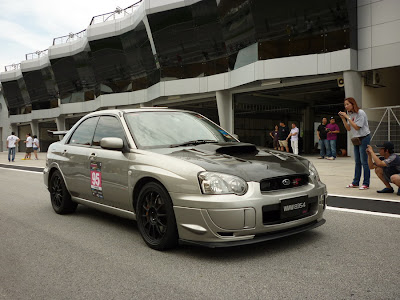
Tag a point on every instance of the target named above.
point(84, 133)
point(108, 126)
point(163, 129)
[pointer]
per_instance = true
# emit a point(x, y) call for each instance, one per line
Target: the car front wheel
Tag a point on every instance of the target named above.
point(59, 195)
point(156, 218)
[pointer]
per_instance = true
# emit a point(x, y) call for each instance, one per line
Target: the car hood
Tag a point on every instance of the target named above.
point(240, 159)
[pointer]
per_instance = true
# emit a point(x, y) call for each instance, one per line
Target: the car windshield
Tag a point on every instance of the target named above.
point(160, 129)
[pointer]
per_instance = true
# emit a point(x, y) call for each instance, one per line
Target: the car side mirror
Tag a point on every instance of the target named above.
point(112, 143)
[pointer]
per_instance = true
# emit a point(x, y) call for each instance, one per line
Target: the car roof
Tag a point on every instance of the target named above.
point(131, 110)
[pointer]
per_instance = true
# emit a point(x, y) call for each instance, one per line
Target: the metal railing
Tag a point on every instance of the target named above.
point(36, 54)
point(12, 67)
point(69, 38)
point(384, 123)
point(116, 14)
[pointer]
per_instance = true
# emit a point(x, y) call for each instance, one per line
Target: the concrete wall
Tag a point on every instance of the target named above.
point(378, 34)
point(389, 95)
point(4, 123)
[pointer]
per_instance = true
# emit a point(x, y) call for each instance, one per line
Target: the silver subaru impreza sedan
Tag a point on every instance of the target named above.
point(183, 179)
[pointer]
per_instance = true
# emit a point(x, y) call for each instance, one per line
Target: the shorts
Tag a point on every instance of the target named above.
point(29, 149)
point(35, 148)
point(275, 144)
point(387, 176)
point(283, 143)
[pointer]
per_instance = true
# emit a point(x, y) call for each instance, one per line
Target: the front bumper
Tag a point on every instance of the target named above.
point(230, 220)
point(259, 238)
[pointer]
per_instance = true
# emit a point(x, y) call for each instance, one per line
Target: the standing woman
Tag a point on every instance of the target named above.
point(355, 121)
point(274, 135)
point(35, 146)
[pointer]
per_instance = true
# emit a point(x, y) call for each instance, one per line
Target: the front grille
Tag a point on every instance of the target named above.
point(283, 182)
point(274, 213)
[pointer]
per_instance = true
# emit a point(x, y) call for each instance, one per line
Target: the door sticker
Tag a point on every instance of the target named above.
point(95, 179)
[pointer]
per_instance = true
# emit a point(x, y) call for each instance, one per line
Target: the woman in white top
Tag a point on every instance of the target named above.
point(356, 122)
point(35, 146)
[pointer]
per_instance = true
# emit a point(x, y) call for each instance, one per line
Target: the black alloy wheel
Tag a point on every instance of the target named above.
point(59, 195)
point(155, 217)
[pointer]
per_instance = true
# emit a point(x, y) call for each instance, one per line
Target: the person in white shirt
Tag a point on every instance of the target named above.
point(35, 146)
point(12, 140)
point(294, 138)
point(29, 146)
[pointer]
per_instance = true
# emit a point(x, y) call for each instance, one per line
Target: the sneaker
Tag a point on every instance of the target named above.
point(321, 157)
point(364, 187)
point(23, 159)
point(330, 158)
point(386, 191)
point(352, 186)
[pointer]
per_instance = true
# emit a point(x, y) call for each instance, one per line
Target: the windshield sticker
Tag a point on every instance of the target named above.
point(225, 134)
point(95, 179)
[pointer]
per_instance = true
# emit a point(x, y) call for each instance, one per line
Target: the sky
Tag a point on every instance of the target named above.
point(30, 25)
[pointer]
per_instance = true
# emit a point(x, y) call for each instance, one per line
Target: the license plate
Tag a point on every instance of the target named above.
point(294, 207)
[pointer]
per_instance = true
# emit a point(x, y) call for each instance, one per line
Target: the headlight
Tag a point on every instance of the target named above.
point(313, 171)
point(218, 183)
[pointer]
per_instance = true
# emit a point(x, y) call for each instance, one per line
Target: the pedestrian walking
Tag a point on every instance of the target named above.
point(12, 141)
point(282, 135)
point(356, 121)
point(29, 147)
point(274, 135)
point(35, 146)
point(387, 166)
point(332, 130)
point(294, 138)
point(324, 148)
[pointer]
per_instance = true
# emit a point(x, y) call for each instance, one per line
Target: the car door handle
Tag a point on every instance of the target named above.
point(92, 156)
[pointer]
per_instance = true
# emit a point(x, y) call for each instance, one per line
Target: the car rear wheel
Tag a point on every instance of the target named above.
point(156, 218)
point(59, 195)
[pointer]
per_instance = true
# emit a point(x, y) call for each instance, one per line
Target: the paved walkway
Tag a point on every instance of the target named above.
point(335, 174)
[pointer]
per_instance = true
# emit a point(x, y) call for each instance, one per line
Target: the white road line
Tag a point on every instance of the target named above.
point(365, 212)
point(369, 198)
point(36, 172)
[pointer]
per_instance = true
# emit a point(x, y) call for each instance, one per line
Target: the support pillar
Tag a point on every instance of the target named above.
point(308, 137)
point(35, 128)
point(352, 88)
point(225, 110)
point(60, 122)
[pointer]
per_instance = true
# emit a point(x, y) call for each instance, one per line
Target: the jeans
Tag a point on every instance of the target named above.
point(324, 147)
point(332, 145)
point(361, 159)
point(11, 154)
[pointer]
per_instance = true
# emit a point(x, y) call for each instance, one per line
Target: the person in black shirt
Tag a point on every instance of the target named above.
point(324, 147)
point(282, 135)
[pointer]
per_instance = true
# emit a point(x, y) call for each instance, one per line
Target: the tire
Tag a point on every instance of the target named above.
point(59, 195)
point(155, 217)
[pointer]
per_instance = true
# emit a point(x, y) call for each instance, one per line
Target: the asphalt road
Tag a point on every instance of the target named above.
point(93, 255)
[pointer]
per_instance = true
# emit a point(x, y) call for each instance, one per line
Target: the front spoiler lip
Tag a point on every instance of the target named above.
point(257, 239)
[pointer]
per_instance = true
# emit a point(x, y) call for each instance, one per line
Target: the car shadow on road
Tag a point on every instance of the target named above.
point(268, 248)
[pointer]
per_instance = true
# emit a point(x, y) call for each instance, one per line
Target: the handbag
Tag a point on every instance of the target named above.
point(356, 141)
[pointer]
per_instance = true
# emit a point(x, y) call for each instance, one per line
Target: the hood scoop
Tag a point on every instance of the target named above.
point(229, 148)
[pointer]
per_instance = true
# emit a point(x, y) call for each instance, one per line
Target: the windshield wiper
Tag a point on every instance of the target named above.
point(195, 142)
